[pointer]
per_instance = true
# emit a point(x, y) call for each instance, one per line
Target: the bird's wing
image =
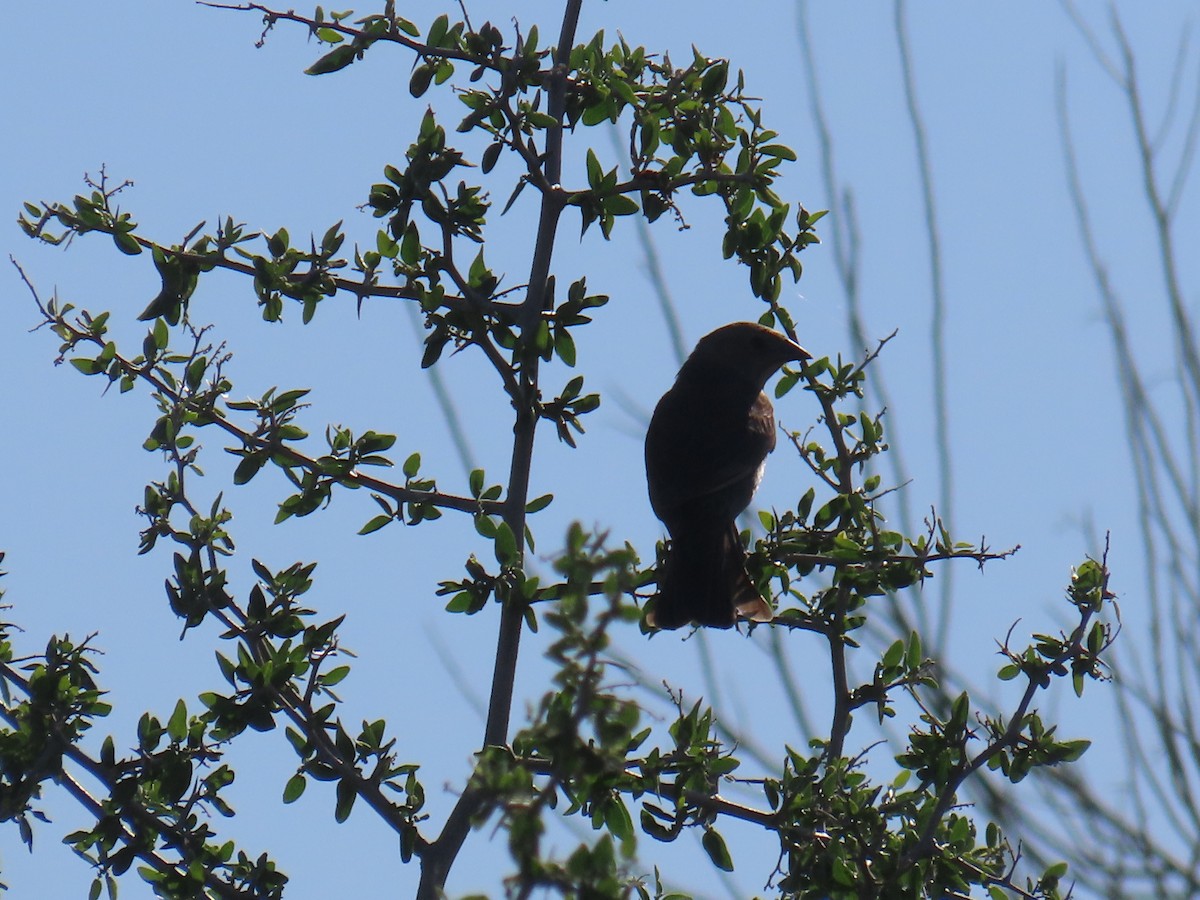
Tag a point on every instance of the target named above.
point(695, 450)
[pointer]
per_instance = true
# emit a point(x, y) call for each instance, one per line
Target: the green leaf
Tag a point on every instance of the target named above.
point(194, 373)
point(412, 465)
point(287, 400)
point(437, 31)
point(177, 724)
point(387, 248)
point(421, 78)
point(506, 545)
point(375, 442)
point(162, 334)
point(779, 151)
point(540, 120)
point(166, 304)
point(564, 346)
point(842, 872)
point(294, 788)
point(714, 846)
point(618, 820)
point(603, 111)
point(248, 468)
point(478, 271)
point(959, 712)
point(714, 80)
point(435, 343)
point(894, 654)
point(914, 655)
point(126, 243)
point(1069, 751)
point(333, 676)
point(335, 59)
point(490, 157)
point(375, 524)
point(332, 240)
point(620, 205)
point(595, 174)
point(1057, 871)
point(278, 242)
point(460, 603)
point(410, 246)
point(346, 795)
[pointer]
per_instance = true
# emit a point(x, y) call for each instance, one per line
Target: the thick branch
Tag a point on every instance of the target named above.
point(440, 856)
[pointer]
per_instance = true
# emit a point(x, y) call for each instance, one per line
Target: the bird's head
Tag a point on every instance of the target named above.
point(745, 350)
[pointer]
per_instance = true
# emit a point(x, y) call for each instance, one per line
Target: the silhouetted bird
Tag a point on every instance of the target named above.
point(705, 450)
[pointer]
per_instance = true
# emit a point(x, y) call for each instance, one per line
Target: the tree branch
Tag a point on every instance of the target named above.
point(440, 856)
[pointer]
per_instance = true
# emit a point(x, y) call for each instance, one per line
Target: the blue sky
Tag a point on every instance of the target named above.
point(175, 97)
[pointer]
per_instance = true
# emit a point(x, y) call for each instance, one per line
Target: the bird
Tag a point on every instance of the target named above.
point(706, 448)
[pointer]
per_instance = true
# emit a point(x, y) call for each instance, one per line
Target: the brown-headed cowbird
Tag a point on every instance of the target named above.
point(705, 450)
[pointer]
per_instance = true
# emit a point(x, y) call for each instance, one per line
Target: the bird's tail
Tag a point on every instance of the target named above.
point(703, 579)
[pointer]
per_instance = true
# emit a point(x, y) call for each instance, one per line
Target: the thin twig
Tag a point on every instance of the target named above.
point(937, 321)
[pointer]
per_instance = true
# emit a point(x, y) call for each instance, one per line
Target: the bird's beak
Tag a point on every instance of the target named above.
point(796, 352)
